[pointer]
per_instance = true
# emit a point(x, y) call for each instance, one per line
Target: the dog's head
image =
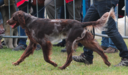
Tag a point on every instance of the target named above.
point(18, 18)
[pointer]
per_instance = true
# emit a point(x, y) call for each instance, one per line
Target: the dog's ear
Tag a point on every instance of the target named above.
point(21, 18)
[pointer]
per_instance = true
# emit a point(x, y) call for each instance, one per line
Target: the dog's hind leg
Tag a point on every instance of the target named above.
point(46, 48)
point(69, 53)
point(93, 45)
point(29, 50)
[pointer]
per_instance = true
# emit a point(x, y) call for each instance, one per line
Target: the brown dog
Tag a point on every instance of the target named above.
point(45, 31)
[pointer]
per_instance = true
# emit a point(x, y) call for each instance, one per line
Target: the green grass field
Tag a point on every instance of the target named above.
point(35, 64)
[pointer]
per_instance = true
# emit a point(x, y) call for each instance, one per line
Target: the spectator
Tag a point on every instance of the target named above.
point(107, 44)
point(1, 30)
point(51, 8)
point(1, 2)
point(61, 15)
point(120, 11)
point(127, 7)
point(69, 4)
point(22, 41)
point(1, 24)
point(112, 48)
point(95, 11)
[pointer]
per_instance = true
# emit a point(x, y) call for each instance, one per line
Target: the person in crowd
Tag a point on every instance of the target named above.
point(96, 10)
point(50, 9)
point(111, 48)
point(1, 25)
point(127, 7)
point(61, 15)
point(1, 30)
point(22, 41)
point(106, 43)
point(120, 11)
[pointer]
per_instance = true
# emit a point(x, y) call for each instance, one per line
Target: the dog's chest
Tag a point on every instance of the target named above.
point(55, 38)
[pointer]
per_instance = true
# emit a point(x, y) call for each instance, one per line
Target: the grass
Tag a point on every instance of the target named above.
point(35, 64)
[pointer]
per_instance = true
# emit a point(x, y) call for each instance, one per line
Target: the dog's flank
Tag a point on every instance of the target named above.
point(44, 31)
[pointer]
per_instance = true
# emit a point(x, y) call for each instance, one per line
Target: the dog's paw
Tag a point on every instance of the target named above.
point(108, 63)
point(15, 63)
point(62, 68)
point(55, 65)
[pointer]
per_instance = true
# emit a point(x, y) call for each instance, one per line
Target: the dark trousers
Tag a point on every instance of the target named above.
point(51, 8)
point(94, 13)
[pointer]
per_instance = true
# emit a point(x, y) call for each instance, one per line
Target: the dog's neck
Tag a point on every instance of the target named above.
point(29, 22)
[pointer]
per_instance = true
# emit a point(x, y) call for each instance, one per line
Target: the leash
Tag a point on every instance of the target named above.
point(43, 7)
point(93, 32)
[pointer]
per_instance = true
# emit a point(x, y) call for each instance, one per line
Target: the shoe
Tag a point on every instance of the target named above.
point(64, 50)
point(20, 47)
point(38, 47)
point(110, 50)
point(80, 45)
point(60, 44)
point(82, 58)
point(124, 62)
point(3, 43)
point(104, 48)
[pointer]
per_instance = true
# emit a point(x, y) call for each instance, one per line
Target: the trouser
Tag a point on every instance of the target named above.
point(107, 42)
point(126, 7)
point(50, 8)
point(94, 13)
point(1, 2)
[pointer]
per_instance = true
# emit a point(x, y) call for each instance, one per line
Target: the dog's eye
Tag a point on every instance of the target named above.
point(13, 18)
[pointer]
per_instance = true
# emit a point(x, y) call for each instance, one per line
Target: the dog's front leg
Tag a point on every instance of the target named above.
point(29, 50)
point(69, 55)
point(46, 48)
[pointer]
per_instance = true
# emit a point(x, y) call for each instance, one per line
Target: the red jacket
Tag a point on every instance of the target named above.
point(20, 2)
point(67, 1)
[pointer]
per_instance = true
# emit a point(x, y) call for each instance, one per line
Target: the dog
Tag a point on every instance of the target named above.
point(47, 31)
point(121, 23)
point(9, 42)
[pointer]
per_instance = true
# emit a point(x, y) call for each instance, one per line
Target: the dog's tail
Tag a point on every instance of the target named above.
point(100, 23)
